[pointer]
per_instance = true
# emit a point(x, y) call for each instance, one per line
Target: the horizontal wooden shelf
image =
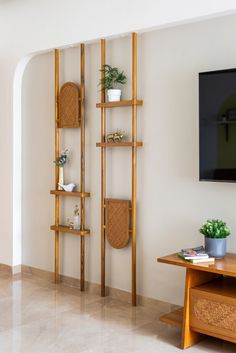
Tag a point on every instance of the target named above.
point(174, 318)
point(125, 103)
point(72, 193)
point(66, 229)
point(119, 144)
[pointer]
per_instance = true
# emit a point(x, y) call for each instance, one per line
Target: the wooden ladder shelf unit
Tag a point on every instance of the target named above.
point(134, 102)
point(57, 228)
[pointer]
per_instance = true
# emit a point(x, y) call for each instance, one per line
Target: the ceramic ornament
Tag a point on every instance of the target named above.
point(69, 187)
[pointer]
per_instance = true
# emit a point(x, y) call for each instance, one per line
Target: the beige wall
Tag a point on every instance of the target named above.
point(172, 203)
point(30, 26)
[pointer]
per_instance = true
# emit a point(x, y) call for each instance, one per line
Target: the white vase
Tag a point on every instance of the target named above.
point(113, 95)
point(61, 178)
point(76, 224)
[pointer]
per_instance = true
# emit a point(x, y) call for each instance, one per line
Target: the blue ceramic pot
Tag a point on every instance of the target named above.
point(215, 247)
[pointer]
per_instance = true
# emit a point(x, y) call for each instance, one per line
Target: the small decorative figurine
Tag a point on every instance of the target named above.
point(60, 162)
point(115, 137)
point(76, 222)
point(69, 187)
point(70, 223)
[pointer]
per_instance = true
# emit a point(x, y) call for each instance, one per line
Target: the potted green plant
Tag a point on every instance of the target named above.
point(113, 78)
point(216, 231)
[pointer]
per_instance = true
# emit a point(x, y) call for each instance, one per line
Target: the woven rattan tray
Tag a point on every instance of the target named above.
point(117, 222)
point(69, 106)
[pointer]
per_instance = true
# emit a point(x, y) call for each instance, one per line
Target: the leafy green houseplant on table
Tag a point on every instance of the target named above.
point(216, 231)
point(113, 78)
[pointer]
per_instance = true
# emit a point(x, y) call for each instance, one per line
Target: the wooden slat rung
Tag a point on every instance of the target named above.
point(119, 144)
point(122, 103)
point(66, 229)
point(72, 193)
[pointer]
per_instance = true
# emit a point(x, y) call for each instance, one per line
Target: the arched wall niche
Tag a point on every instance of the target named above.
point(17, 160)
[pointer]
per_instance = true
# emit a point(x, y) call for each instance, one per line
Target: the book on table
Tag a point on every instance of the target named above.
point(195, 255)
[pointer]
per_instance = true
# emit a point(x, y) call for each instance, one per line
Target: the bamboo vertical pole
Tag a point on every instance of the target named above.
point(103, 177)
point(134, 158)
point(82, 163)
point(56, 273)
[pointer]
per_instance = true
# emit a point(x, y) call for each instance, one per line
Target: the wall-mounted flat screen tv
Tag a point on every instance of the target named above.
point(217, 112)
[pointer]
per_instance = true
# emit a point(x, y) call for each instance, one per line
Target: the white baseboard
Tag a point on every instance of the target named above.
point(12, 270)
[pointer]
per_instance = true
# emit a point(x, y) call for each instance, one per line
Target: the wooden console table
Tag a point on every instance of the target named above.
point(210, 300)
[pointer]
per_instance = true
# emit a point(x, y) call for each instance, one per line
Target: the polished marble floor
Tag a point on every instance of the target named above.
point(38, 317)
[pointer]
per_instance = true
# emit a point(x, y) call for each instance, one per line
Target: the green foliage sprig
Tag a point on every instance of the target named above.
point(113, 77)
point(62, 159)
point(215, 228)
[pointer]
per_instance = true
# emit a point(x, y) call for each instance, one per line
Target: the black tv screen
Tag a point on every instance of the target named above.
point(217, 112)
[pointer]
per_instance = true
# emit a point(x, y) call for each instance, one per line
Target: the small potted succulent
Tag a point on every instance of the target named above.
point(216, 231)
point(113, 78)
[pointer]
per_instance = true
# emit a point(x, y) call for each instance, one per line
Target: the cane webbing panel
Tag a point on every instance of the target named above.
point(69, 107)
point(117, 222)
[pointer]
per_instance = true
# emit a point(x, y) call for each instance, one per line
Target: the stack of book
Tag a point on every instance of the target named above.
point(196, 255)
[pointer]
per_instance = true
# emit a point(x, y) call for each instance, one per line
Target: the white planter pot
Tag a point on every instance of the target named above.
point(113, 95)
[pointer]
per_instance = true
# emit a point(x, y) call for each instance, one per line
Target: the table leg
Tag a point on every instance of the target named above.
point(193, 279)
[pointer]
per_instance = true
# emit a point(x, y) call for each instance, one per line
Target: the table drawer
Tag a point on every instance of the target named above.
point(213, 314)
